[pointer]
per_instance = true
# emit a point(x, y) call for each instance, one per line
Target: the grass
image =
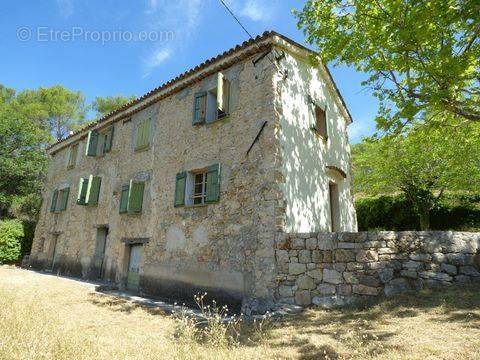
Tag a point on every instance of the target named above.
point(45, 317)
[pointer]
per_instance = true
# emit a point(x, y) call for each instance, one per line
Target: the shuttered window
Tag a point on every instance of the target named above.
point(135, 197)
point(108, 138)
point(53, 204)
point(199, 107)
point(142, 139)
point(214, 104)
point(124, 199)
point(93, 190)
point(92, 141)
point(180, 183)
point(321, 122)
point(82, 191)
point(62, 199)
point(72, 156)
point(131, 198)
point(213, 184)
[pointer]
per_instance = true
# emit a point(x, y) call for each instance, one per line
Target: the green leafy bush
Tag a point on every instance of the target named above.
point(396, 213)
point(11, 235)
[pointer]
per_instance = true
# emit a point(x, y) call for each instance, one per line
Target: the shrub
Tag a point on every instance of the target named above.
point(395, 212)
point(11, 235)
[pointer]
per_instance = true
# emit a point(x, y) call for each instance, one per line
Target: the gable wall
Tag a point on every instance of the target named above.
point(305, 156)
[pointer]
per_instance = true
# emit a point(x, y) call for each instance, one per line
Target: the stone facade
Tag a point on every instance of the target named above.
point(225, 248)
point(329, 269)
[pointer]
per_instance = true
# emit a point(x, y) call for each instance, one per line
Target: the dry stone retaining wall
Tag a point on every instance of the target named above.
point(340, 268)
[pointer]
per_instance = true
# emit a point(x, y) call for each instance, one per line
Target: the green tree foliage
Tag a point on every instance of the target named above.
point(11, 234)
point(422, 164)
point(420, 56)
point(105, 105)
point(23, 160)
point(56, 108)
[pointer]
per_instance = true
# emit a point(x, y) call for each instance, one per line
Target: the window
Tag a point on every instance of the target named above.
point(59, 200)
point(131, 197)
point(321, 122)
point(89, 190)
point(72, 156)
point(99, 142)
point(213, 104)
point(142, 137)
point(198, 187)
point(334, 200)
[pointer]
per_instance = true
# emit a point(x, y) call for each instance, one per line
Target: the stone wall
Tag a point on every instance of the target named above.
point(340, 268)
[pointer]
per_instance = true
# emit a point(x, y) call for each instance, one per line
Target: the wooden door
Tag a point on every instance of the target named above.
point(100, 247)
point(133, 277)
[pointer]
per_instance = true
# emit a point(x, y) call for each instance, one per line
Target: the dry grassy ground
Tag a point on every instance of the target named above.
point(45, 317)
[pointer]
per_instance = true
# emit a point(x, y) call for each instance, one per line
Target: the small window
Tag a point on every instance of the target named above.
point(321, 122)
point(143, 134)
point(198, 187)
point(212, 105)
point(72, 156)
point(60, 200)
point(99, 142)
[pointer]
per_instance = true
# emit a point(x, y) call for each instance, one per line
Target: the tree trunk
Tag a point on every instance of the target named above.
point(425, 220)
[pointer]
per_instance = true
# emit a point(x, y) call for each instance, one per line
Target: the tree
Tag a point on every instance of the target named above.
point(420, 56)
point(23, 161)
point(422, 163)
point(57, 107)
point(105, 105)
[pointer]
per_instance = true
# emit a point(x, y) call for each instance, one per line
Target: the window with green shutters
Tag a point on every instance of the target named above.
point(135, 197)
point(198, 187)
point(108, 139)
point(92, 141)
point(62, 199)
point(72, 156)
point(124, 199)
point(214, 104)
point(82, 191)
point(142, 138)
point(53, 204)
point(93, 190)
point(89, 190)
point(131, 197)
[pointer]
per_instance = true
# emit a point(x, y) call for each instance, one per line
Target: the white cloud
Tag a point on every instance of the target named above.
point(256, 11)
point(65, 7)
point(155, 60)
point(180, 16)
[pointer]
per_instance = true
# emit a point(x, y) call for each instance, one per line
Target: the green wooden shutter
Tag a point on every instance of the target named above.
point(199, 107)
point(213, 184)
point(92, 140)
point(180, 184)
point(135, 196)
point(64, 198)
point(53, 205)
point(142, 140)
point(107, 144)
point(82, 191)
point(93, 191)
point(124, 199)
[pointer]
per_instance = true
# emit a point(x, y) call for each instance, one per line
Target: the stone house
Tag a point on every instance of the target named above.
point(188, 187)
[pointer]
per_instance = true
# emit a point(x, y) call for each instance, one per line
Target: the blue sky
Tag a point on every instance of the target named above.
point(67, 42)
